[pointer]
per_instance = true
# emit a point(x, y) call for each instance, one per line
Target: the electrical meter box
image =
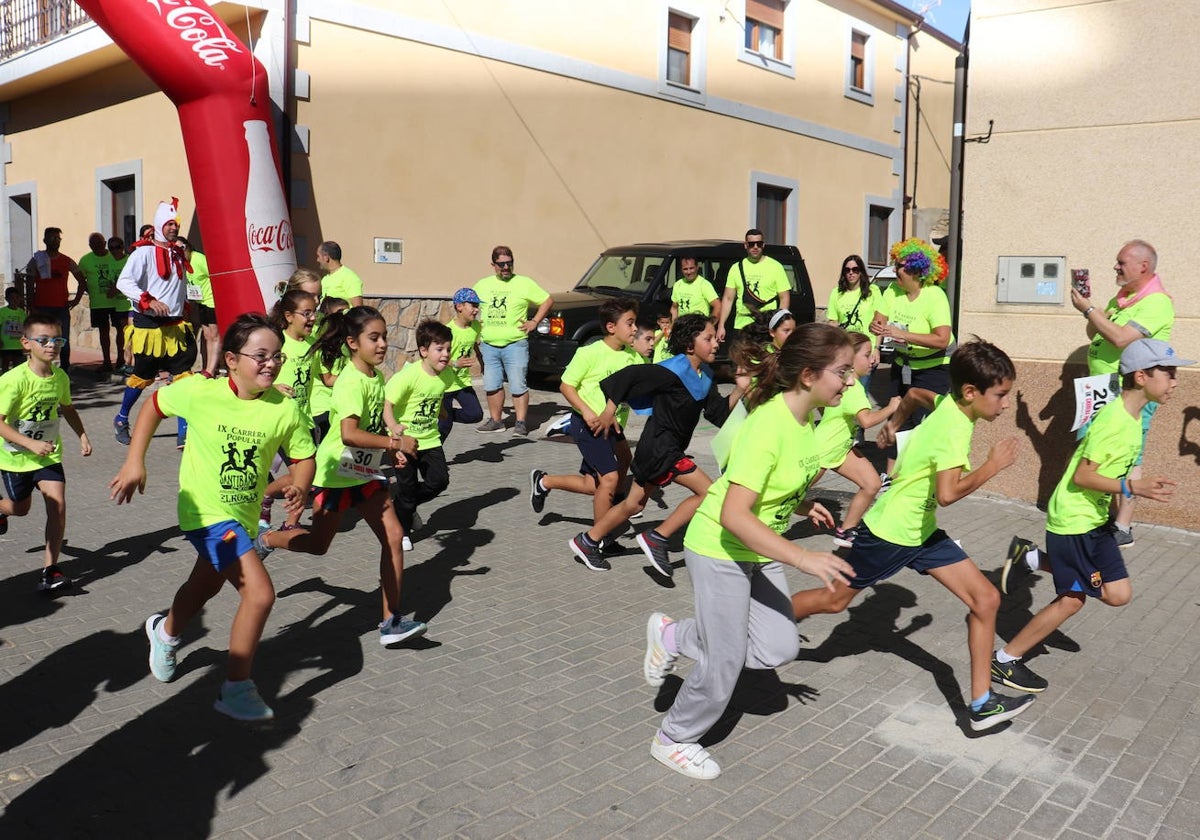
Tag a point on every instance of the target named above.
point(389, 250)
point(1031, 280)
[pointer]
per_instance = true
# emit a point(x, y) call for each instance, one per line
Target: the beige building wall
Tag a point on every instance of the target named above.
point(1094, 143)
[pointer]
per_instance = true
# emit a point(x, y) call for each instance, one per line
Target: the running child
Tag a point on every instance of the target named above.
point(735, 550)
point(351, 456)
point(327, 368)
point(236, 424)
point(412, 402)
point(680, 389)
point(12, 329)
point(464, 346)
point(661, 339)
point(835, 436)
point(32, 397)
point(1083, 554)
point(901, 528)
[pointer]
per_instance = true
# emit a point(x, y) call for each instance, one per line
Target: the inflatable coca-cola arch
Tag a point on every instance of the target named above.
point(221, 92)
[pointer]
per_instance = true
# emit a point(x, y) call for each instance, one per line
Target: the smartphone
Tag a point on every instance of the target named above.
point(1081, 282)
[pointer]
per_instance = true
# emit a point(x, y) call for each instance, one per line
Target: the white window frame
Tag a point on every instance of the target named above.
point(785, 66)
point(793, 203)
point(865, 94)
point(893, 225)
point(28, 188)
point(111, 172)
point(696, 91)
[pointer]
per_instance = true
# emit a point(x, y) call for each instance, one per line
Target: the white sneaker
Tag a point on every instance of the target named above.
point(691, 760)
point(658, 661)
point(406, 543)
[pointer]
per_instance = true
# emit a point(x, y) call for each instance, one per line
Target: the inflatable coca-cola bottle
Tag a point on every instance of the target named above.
point(268, 227)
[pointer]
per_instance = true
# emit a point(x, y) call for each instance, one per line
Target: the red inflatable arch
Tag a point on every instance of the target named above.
point(221, 93)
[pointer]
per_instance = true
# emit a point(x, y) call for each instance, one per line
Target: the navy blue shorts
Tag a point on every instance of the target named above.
point(599, 453)
point(1085, 562)
point(221, 545)
point(875, 559)
point(19, 485)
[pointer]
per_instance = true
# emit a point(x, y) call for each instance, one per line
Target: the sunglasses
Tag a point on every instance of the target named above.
point(755, 244)
point(503, 264)
point(49, 341)
point(852, 269)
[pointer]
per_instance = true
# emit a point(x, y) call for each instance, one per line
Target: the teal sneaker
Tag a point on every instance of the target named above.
point(397, 629)
point(260, 545)
point(162, 655)
point(240, 701)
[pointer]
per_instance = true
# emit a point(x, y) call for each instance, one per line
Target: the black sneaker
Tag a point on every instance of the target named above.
point(53, 579)
point(885, 481)
point(3, 524)
point(1016, 674)
point(997, 709)
point(1014, 562)
point(655, 549)
point(121, 431)
point(537, 496)
point(1124, 538)
point(589, 555)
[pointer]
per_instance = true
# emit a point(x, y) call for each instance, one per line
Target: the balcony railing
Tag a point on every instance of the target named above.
point(27, 23)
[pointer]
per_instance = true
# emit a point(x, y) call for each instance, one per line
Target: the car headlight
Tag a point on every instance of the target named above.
point(551, 326)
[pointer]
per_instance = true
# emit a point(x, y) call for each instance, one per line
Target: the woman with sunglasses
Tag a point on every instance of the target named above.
point(852, 305)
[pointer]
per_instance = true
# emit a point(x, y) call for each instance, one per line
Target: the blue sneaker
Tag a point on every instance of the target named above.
point(162, 655)
point(121, 431)
point(240, 701)
point(260, 546)
point(397, 629)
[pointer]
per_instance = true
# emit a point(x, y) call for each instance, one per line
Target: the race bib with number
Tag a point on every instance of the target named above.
point(194, 292)
point(1092, 393)
point(362, 464)
point(36, 429)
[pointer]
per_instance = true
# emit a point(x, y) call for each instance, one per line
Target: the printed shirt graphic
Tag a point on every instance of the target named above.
point(777, 458)
point(230, 445)
point(12, 327)
point(299, 372)
point(354, 395)
point(30, 404)
point(835, 432)
point(941, 442)
point(416, 398)
point(462, 346)
point(343, 283)
point(931, 309)
point(101, 275)
point(765, 279)
point(693, 297)
point(1154, 315)
point(1112, 442)
point(506, 306)
point(850, 311)
point(590, 365)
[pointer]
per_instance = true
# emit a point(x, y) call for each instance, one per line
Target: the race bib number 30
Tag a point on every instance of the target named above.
point(361, 464)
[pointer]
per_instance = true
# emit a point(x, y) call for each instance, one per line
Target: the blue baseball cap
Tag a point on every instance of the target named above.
point(466, 296)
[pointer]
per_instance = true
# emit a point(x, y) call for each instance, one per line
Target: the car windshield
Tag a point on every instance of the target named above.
point(629, 275)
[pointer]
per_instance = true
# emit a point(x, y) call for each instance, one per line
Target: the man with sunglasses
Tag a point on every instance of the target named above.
point(755, 285)
point(504, 340)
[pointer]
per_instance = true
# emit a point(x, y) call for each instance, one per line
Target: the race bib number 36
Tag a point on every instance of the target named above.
point(361, 464)
point(36, 429)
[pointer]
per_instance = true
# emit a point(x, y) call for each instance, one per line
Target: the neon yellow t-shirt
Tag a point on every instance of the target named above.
point(321, 395)
point(662, 349)
point(12, 327)
point(693, 297)
point(835, 432)
point(1154, 314)
point(199, 277)
point(230, 445)
point(1112, 442)
point(852, 312)
point(342, 283)
point(354, 395)
point(462, 346)
point(101, 275)
point(416, 398)
point(29, 403)
point(298, 373)
point(777, 458)
point(765, 280)
point(930, 310)
point(591, 364)
point(941, 442)
point(506, 306)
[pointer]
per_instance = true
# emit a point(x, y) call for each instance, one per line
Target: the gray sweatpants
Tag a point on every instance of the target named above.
point(743, 620)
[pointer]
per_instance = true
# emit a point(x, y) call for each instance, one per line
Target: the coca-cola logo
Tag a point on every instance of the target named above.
point(199, 27)
point(277, 237)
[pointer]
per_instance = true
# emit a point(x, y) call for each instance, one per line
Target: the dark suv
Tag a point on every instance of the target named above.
point(646, 273)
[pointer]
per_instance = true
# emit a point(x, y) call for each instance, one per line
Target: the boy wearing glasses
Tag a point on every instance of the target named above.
point(753, 286)
point(32, 398)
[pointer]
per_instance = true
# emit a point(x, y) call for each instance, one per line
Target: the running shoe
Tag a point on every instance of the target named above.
point(558, 426)
point(655, 549)
point(885, 481)
point(1015, 566)
point(1016, 674)
point(3, 523)
point(489, 426)
point(658, 661)
point(997, 709)
point(53, 579)
point(260, 544)
point(692, 760)
point(590, 555)
point(162, 655)
point(844, 537)
point(121, 431)
point(537, 495)
point(240, 701)
point(406, 543)
point(520, 429)
point(397, 629)
point(1124, 538)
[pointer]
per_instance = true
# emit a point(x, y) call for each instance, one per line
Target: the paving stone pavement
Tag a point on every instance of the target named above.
point(523, 712)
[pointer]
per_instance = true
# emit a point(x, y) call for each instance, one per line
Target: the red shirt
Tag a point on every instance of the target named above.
point(52, 293)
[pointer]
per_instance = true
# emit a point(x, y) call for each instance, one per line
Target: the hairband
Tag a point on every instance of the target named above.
point(777, 317)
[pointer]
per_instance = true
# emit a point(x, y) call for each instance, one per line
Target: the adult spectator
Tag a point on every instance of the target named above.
point(339, 281)
point(1140, 309)
point(106, 305)
point(504, 340)
point(204, 311)
point(755, 284)
point(46, 286)
point(853, 303)
point(693, 294)
point(116, 247)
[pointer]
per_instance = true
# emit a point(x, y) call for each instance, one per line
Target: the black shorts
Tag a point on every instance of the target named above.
point(204, 315)
point(19, 486)
point(683, 466)
point(599, 453)
point(108, 318)
point(1085, 562)
point(876, 559)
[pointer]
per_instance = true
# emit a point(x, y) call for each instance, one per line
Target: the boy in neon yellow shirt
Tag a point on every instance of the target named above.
point(901, 529)
point(12, 329)
point(412, 404)
point(1083, 554)
point(32, 397)
point(606, 456)
point(465, 330)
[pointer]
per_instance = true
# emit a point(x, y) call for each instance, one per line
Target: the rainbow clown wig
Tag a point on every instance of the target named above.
point(921, 260)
